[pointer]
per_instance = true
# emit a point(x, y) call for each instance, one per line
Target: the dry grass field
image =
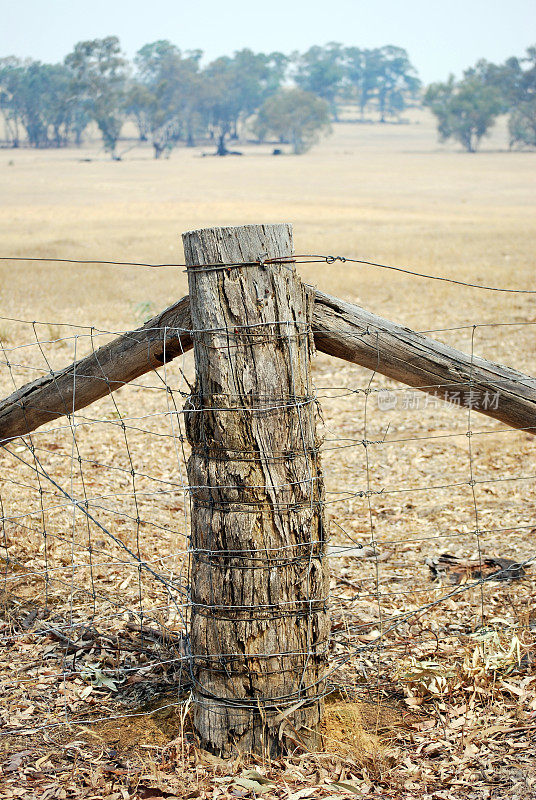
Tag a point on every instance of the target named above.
point(391, 194)
point(445, 706)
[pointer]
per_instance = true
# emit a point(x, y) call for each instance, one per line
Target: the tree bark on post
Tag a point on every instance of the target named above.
point(259, 582)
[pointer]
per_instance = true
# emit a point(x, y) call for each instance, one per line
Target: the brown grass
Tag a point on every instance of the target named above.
point(388, 194)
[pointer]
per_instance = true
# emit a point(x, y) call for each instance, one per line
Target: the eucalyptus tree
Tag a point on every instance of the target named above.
point(38, 99)
point(139, 103)
point(465, 109)
point(222, 100)
point(166, 97)
point(397, 81)
point(320, 71)
point(515, 82)
point(294, 116)
point(380, 76)
point(522, 122)
point(255, 76)
point(362, 69)
point(504, 78)
point(50, 105)
point(99, 73)
point(11, 97)
point(235, 87)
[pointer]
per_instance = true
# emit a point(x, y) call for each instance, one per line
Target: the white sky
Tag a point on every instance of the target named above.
point(440, 37)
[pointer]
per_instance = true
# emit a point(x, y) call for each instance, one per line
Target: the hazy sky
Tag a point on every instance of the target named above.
point(441, 36)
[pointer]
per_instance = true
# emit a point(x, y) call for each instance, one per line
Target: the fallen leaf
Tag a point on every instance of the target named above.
point(253, 786)
point(346, 787)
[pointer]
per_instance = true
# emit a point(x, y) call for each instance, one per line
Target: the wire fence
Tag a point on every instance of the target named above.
point(432, 517)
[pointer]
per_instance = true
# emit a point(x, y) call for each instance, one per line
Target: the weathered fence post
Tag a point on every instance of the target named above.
point(259, 584)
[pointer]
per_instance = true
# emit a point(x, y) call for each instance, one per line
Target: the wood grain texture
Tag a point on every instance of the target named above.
point(341, 329)
point(109, 368)
point(357, 335)
point(259, 580)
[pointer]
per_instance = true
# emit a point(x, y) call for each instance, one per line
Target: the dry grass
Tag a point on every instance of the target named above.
point(430, 714)
point(390, 194)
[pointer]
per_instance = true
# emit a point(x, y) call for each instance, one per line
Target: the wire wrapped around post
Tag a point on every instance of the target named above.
point(258, 571)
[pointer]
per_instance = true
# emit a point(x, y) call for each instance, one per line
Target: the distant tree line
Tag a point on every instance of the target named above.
point(173, 98)
point(467, 109)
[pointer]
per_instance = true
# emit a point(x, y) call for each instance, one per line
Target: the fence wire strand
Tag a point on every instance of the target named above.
point(97, 549)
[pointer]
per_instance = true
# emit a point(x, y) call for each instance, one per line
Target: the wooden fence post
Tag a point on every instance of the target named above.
point(259, 582)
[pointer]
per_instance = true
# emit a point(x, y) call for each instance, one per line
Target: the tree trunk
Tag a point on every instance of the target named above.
point(222, 149)
point(259, 623)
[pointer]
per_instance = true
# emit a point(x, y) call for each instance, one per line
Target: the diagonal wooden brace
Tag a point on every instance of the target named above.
point(341, 329)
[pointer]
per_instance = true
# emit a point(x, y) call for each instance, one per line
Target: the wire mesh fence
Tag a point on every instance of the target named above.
point(431, 510)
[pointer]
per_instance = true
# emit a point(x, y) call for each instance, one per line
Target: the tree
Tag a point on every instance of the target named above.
point(60, 106)
point(396, 80)
point(166, 97)
point(80, 118)
point(222, 100)
point(256, 77)
point(48, 104)
point(99, 79)
point(11, 96)
point(515, 82)
point(33, 90)
point(504, 78)
point(361, 71)
point(320, 71)
point(465, 110)
point(522, 122)
point(522, 125)
point(234, 88)
point(38, 98)
point(384, 75)
point(295, 116)
point(139, 102)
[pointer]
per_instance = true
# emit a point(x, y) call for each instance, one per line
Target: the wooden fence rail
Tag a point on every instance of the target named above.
point(340, 329)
